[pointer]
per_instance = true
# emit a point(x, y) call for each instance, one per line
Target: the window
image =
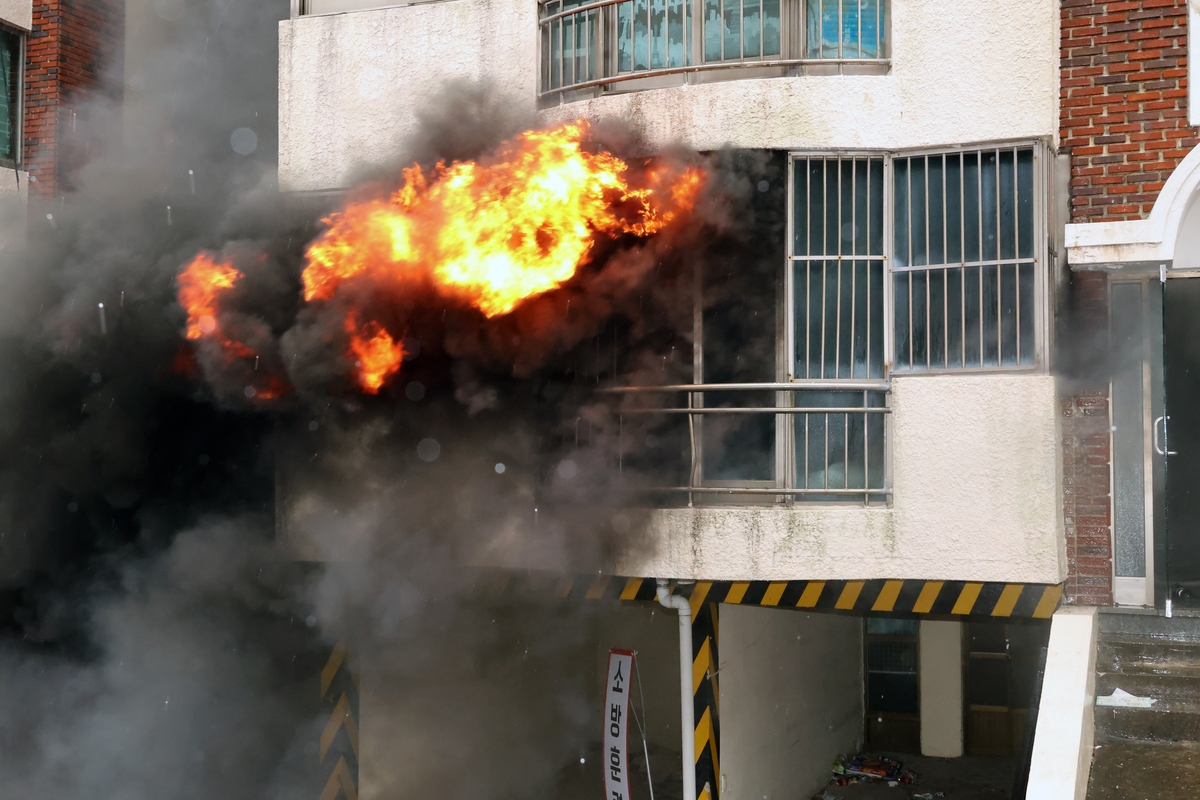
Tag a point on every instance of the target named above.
point(12, 59)
point(602, 44)
point(962, 263)
point(964, 260)
point(892, 684)
point(844, 29)
point(837, 281)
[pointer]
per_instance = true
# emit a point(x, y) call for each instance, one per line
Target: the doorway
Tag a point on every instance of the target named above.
point(1176, 438)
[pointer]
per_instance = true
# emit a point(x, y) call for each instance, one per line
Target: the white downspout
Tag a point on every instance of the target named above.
point(686, 691)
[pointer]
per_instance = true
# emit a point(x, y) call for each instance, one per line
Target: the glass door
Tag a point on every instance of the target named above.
point(1135, 350)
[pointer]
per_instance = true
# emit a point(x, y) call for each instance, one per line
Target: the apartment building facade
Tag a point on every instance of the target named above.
point(945, 451)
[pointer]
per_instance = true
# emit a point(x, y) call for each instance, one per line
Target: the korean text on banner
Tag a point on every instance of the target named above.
point(616, 726)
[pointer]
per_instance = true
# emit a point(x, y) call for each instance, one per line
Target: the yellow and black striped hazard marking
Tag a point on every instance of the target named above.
point(908, 597)
point(338, 750)
point(706, 696)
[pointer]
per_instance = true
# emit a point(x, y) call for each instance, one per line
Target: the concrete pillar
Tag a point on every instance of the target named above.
point(941, 689)
point(791, 699)
point(1062, 743)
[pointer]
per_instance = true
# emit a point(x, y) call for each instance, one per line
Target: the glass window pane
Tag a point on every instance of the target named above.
point(954, 317)
point(900, 297)
point(954, 208)
point(917, 212)
point(1008, 212)
point(1008, 314)
point(829, 29)
point(658, 34)
point(894, 627)
point(901, 204)
point(1028, 337)
point(732, 39)
point(1025, 203)
point(625, 37)
point(936, 177)
point(751, 29)
point(991, 315)
point(677, 27)
point(641, 34)
point(875, 324)
point(712, 30)
point(771, 28)
point(1129, 480)
point(989, 211)
point(850, 29)
point(812, 29)
point(970, 210)
point(868, 36)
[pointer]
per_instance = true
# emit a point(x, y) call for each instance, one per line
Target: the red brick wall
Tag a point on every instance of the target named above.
point(1124, 103)
point(73, 55)
point(1086, 438)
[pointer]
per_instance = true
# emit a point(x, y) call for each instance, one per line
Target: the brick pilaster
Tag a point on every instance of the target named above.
point(1087, 454)
point(1123, 103)
point(72, 56)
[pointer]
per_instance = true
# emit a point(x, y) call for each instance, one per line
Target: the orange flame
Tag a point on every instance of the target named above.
point(202, 282)
point(492, 233)
point(500, 232)
point(376, 355)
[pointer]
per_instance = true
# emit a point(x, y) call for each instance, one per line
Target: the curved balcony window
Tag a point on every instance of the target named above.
point(590, 48)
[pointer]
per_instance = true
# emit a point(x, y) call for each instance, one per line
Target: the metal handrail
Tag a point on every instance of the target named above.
point(696, 412)
point(709, 67)
point(701, 410)
point(790, 386)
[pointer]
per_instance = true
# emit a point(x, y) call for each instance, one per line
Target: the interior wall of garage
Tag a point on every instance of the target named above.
point(791, 688)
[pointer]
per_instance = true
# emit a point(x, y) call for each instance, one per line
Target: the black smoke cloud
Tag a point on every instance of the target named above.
point(177, 559)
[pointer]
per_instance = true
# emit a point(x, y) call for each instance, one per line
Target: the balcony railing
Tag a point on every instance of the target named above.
point(806, 441)
point(607, 45)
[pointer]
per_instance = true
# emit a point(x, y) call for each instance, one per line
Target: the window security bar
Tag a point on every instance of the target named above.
point(588, 45)
point(965, 260)
point(836, 447)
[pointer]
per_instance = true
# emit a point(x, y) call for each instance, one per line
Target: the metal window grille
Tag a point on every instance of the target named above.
point(836, 282)
point(12, 61)
point(590, 45)
point(741, 29)
point(965, 264)
point(845, 28)
point(570, 43)
point(837, 266)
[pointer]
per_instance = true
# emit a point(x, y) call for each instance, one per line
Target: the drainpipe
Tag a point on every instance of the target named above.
point(686, 691)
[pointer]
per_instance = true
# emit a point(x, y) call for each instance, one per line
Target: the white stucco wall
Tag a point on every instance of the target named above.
point(978, 497)
point(351, 85)
point(18, 13)
point(791, 700)
point(961, 73)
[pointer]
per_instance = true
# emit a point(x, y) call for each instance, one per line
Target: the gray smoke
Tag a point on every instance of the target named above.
point(178, 559)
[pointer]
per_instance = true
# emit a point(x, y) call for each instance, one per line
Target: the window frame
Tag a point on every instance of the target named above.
point(18, 160)
point(1041, 255)
point(789, 63)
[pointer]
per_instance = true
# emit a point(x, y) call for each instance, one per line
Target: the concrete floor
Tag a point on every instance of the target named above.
point(1145, 771)
point(966, 778)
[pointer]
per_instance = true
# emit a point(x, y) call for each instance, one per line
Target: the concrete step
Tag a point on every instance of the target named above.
point(1134, 654)
point(1144, 771)
point(1175, 687)
point(1167, 721)
point(1174, 629)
